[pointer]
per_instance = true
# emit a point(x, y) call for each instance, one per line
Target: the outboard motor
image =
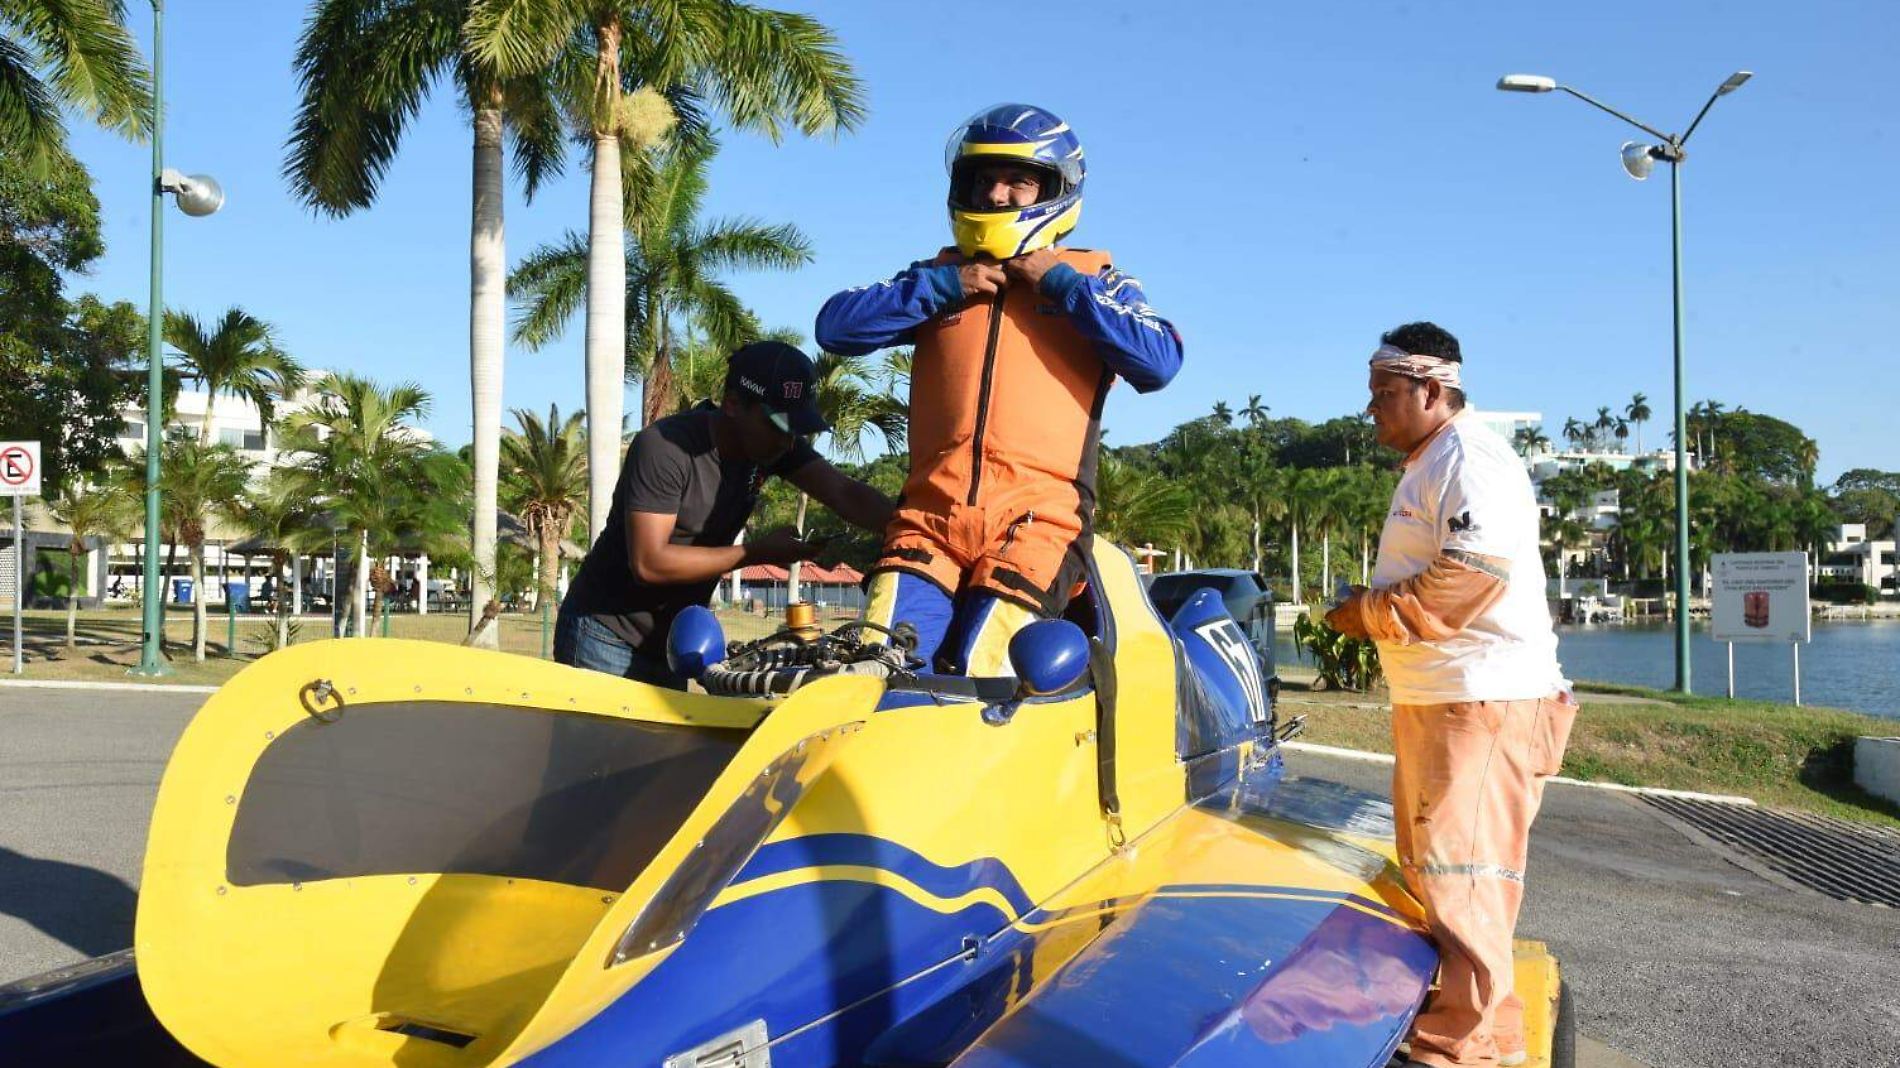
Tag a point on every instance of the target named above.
point(1226, 669)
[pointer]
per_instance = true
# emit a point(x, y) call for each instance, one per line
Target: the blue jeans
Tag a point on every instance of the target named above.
point(583, 641)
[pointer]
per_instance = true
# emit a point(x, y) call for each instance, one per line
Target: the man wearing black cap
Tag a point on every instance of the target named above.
point(686, 490)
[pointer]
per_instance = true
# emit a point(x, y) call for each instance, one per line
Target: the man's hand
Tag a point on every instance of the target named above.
point(981, 279)
point(1346, 617)
point(1030, 268)
point(782, 547)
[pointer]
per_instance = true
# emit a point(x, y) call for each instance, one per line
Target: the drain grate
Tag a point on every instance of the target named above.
point(1848, 861)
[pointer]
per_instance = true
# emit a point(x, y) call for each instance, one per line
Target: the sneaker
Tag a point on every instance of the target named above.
point(1512, 1060)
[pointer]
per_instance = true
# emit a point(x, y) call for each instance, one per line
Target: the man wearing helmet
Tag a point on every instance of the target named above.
point(1017, 341)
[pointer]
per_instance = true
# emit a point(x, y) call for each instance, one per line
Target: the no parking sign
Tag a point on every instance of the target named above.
point(19, 477)
point(19, 468)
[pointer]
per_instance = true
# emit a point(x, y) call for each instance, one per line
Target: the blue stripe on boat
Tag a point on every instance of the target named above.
point(869, 851)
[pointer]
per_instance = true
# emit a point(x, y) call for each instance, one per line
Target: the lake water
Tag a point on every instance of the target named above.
point(1852, 665)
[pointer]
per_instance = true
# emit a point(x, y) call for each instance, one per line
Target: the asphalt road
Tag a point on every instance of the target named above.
point(1682, 958)
point(1679, 958)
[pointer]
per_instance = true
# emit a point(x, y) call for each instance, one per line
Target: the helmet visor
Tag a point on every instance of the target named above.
point(974, 180)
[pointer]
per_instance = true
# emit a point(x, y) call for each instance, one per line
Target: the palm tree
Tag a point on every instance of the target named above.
point(763, 69)
point(1305, 494)
point(1529, 439)
point(1621, 428)
point(1574, 432)
point(198, 484)
point(544, 483)
point(107, 510)
point(238, 357)
point(1601, 426)
point(1255, 412)
point(70, 54)
point(365, 67)
point(1223, 413)
point(1707, 415)
point(672, 283)
point(1330, 511)
point(1260, 489)
point(354, 455)
point(1134, 506)
point(1638, 412)
point(1566, 534)
point(852, 404)
point(1372, 503)
point(278, 514)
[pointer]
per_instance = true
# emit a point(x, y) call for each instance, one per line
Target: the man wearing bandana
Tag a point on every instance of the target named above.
point(1480, 709)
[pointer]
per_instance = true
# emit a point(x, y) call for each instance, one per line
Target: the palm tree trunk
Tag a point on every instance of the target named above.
point(606, 290)
point(1326, 563)
point(1256, 542)
point(550, 562)
point(1296, 561)
point(1365, 560)
point(656, 386)
point(204, 428)
point(487, 291)
point(359, 591)
point(198, 602)
point(791, 573)
point(282, 608)
point(72, 601)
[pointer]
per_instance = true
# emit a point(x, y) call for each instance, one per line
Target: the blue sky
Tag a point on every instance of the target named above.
point(1287, 182)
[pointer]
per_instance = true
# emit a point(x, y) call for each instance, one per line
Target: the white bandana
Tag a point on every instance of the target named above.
point(1424, 368)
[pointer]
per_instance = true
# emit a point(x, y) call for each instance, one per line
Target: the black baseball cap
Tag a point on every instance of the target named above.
point(781, 378)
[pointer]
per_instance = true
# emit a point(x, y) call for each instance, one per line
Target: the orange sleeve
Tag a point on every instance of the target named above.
point(1436, 603)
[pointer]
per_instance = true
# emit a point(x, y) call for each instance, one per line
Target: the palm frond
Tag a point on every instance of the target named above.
point(363, 68)
point(92, 62)
point(747, 243)
point(520, 37)
point(547, 288)
point(536, 128)
point(29, 116)
point(765, 67)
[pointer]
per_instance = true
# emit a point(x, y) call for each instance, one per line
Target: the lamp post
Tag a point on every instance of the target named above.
point(198, 195)
point(1638, 159)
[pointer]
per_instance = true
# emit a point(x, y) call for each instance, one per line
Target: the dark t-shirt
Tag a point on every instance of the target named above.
point(671, 466)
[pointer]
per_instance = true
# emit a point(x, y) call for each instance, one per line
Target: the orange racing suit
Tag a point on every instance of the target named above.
point(1005, 414)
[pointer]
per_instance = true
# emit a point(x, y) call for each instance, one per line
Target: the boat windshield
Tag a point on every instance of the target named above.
point(445, 787)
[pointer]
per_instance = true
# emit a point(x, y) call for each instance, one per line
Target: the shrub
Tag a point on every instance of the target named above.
point(1342, 662)
point(1844, 593)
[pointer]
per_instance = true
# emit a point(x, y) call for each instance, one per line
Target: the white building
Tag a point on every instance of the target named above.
point(1852, 557)
point(1507, 424)
point(236, 422)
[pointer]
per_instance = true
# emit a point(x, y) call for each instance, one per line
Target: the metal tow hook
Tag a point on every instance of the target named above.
point(315, 694)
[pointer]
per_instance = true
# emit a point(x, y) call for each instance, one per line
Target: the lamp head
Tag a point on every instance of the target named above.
point(1735, 81)
point(1526, 83)
point(198, 195)
point(1638, 159)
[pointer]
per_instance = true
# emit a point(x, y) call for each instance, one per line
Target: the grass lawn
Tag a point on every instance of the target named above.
point(1778, 754)
point(109, 641)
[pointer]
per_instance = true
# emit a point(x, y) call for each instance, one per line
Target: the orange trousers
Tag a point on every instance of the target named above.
point(1466, 786)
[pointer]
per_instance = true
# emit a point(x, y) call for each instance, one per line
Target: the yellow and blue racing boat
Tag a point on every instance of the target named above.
point(373, 852)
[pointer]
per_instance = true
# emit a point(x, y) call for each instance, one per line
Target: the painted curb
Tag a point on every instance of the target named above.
point(119, 687)
point(1652, 791)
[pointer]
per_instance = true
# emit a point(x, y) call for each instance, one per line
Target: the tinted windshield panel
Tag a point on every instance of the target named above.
point(474, 789)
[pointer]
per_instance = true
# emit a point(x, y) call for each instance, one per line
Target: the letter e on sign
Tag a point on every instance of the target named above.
point(19, 468)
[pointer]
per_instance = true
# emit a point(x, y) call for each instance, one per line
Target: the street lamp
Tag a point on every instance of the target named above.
point(1638, 159)
point(198, 195)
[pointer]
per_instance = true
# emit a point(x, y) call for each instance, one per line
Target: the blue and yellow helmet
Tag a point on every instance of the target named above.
point(1025, 135)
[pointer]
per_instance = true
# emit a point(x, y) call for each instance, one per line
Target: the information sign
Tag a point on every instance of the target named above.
point(1760, 597)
